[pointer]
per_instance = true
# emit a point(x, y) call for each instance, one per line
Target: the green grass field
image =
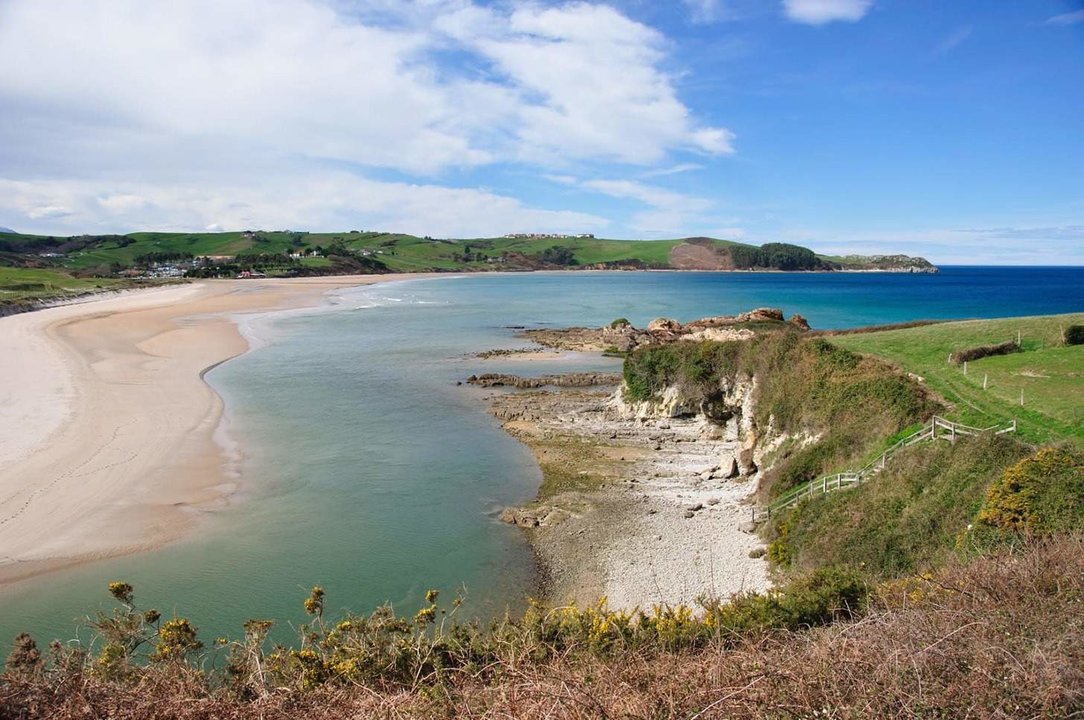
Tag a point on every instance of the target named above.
point(1048, 375)
point(18, 285)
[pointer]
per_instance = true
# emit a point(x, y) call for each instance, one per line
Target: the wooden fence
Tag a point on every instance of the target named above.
point(937, 429)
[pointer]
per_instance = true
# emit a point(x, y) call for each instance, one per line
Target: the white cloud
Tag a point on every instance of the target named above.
point(295, 76)
point(46, 212)
point(819, 12)
point(649, 195)
point(1045, 245)
point(705, 11)
point(122, 203)
point(142, 112)
point(1069, 18)
point(670, 213)
point(953, 41)
point(585, 84)
point(672, 170)
point(324, 201)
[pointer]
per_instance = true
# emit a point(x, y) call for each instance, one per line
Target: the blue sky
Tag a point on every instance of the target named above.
point(945, 129)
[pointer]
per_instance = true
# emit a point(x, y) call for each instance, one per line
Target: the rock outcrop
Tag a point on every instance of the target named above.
point(586, 379)
point(623, 337)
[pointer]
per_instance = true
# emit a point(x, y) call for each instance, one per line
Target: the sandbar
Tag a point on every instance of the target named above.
point(107, 428)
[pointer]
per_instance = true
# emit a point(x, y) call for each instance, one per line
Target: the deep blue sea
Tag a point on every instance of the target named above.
point(366, 469)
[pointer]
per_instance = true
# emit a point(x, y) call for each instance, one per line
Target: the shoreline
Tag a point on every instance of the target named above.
point(639, 511)
point(110, 435)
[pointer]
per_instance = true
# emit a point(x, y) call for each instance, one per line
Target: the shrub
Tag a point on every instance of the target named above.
point(1074, 335)
point(977, 353)
point(558, 255)
point(1038, 496)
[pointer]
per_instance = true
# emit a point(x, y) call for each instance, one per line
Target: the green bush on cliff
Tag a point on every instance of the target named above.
point(695, 366)
point(1041, 495)
point(809, 386)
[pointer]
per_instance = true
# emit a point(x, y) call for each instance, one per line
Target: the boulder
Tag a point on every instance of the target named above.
point(520, 517)
point(663, 325)
point(734, 471)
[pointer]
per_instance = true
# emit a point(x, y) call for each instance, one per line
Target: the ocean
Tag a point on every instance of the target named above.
point(365, 468)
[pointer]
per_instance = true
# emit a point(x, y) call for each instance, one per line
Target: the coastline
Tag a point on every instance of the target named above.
point(108, 431)
point(639, 511)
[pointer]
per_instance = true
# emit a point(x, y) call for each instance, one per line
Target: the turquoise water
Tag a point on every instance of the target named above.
point(369, 471)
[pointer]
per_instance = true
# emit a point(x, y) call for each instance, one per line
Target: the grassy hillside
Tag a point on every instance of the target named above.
point(1047, 372)
point(400, 252)
point(906, 520)
point(850, 406)
point(935, 499)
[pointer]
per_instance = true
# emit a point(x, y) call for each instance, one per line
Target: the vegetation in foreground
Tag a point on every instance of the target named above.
point(997, 637)
point(950, 585)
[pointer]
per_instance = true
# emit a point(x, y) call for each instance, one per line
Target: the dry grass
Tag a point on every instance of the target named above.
point(1000, 637)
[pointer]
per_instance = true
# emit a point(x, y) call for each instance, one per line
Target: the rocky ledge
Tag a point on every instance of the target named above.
point(587, 379)
point(622, 336)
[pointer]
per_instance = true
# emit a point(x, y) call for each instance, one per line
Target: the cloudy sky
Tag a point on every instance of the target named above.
point(947, 129)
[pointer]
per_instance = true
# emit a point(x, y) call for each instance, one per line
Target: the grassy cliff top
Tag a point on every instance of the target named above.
point(1046, 372)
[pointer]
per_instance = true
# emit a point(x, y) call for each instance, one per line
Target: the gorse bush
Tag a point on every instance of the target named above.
point(383, 649)
point(695, 367)
point(998, 637)
point(1040, 495)
point(1074, 335)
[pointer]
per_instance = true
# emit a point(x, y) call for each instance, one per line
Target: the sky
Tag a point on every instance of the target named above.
point(952, 130)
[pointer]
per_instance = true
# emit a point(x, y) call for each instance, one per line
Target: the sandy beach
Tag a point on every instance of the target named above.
point(106, 425)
